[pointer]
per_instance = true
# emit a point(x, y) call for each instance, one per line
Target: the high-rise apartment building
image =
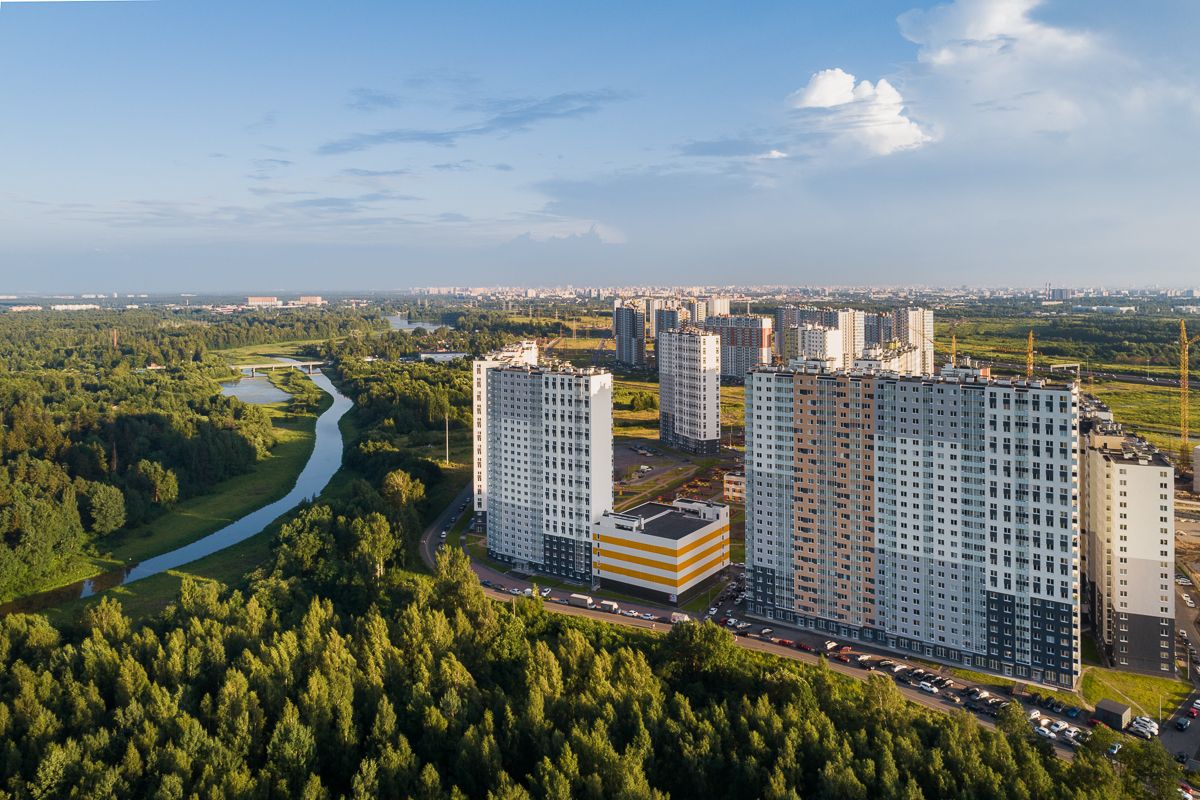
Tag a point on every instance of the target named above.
point(938, 516)
point(810, 342)
point(852, 326)
point(519, 354)
point(689, 389)
point(629, 327)
point(746, 342)
point(667, 319)
point(1128, 523)
point(549, 466)
point(914, 326)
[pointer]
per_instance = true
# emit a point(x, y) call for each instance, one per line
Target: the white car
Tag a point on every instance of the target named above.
point(1035, 714)
point(926, 686)
point(712, 612)
point(545, 592)
point(648, 616)
point(1045, 734)
point(1058, 727)
point(732, 623)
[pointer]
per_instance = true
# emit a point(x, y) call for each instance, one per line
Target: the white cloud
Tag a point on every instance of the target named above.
point(865, 115)
point(973, 30)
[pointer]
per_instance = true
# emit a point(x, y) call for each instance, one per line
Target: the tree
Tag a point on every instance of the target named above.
point(374, 543)
point(162, 484)
point(402, 490)
point(106, 508)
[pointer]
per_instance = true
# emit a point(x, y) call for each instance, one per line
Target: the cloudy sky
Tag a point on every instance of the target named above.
point(289, 144)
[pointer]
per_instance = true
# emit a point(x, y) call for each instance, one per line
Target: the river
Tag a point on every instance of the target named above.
point(325, 460)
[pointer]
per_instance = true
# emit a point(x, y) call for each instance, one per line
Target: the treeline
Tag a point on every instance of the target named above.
point(145, 337)
point(435, 691)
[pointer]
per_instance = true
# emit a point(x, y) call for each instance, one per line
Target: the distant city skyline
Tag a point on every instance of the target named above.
point(292, 146)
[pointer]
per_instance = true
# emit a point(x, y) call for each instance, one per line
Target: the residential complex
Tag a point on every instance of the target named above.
point(519, 354)
point(746, 342)
point(549, 466)
point(1128, 523)
point(689, 389)
point(664, 552)
point(850, 334)
point(932, 515)
point(629, 331)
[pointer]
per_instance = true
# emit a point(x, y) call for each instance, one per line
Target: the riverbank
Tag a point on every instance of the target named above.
point(197, 517)
point(229, 566)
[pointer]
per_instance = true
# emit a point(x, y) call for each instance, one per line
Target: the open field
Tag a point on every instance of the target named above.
point(581, 352)
point(1144, 346)
point(264, 352)
point(1152, 410)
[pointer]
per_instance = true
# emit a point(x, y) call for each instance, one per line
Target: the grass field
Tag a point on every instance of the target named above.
point(1144, 693)
point(265, 352)
point(995, 339)
point(581, 352)
point(1152, 410)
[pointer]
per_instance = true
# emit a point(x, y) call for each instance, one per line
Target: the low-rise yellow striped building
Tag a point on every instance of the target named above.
point(661, 551)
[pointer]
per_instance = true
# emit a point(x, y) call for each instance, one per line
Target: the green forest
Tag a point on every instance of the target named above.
point(339, 668)
point(94, 439)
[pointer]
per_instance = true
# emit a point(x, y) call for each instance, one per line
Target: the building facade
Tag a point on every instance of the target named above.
point(629, 327)
point(520, 354)
point(914, 326)
point(549, 466)
point(689, 390)
point(747, 342)
point(1129, 529)
point(664, 552)
point(937, 516)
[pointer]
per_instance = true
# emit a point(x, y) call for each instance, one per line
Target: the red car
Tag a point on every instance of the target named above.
point(808, 648)
point(1193, 712)
point(722, 620)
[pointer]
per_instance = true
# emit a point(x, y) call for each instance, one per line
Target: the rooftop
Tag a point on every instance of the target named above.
point(666, 521)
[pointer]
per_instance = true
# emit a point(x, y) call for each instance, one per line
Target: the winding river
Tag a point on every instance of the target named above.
point(325, 460)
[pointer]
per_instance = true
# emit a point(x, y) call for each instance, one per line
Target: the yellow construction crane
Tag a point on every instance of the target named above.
point(1029, 356)
point(1185, 345)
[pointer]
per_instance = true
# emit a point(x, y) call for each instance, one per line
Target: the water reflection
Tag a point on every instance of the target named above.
point(258, 391)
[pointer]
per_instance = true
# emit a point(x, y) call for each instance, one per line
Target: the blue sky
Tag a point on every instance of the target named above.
point(289, 144)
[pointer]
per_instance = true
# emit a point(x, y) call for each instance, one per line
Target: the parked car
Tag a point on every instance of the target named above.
point(805, 646)
point(1058, 726)
point(1034, 714)
point(1045, 734)
point(545, 592)
point(1114, 748)
point(712, 612)
point(830, 644)
point(926, 686)
point(766, 631)
point(1073, 712)
point(1183, 723)
point(648, 616)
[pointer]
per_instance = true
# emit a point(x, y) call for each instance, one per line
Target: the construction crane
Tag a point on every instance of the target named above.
point(1029, 356)
point(1185, 345)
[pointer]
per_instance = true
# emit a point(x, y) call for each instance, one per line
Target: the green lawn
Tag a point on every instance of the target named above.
point(1005, 684)
point(1143, 692)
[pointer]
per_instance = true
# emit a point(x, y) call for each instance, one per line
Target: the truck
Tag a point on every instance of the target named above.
point(581, 601)
point(610, 607)
point(679, 616)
